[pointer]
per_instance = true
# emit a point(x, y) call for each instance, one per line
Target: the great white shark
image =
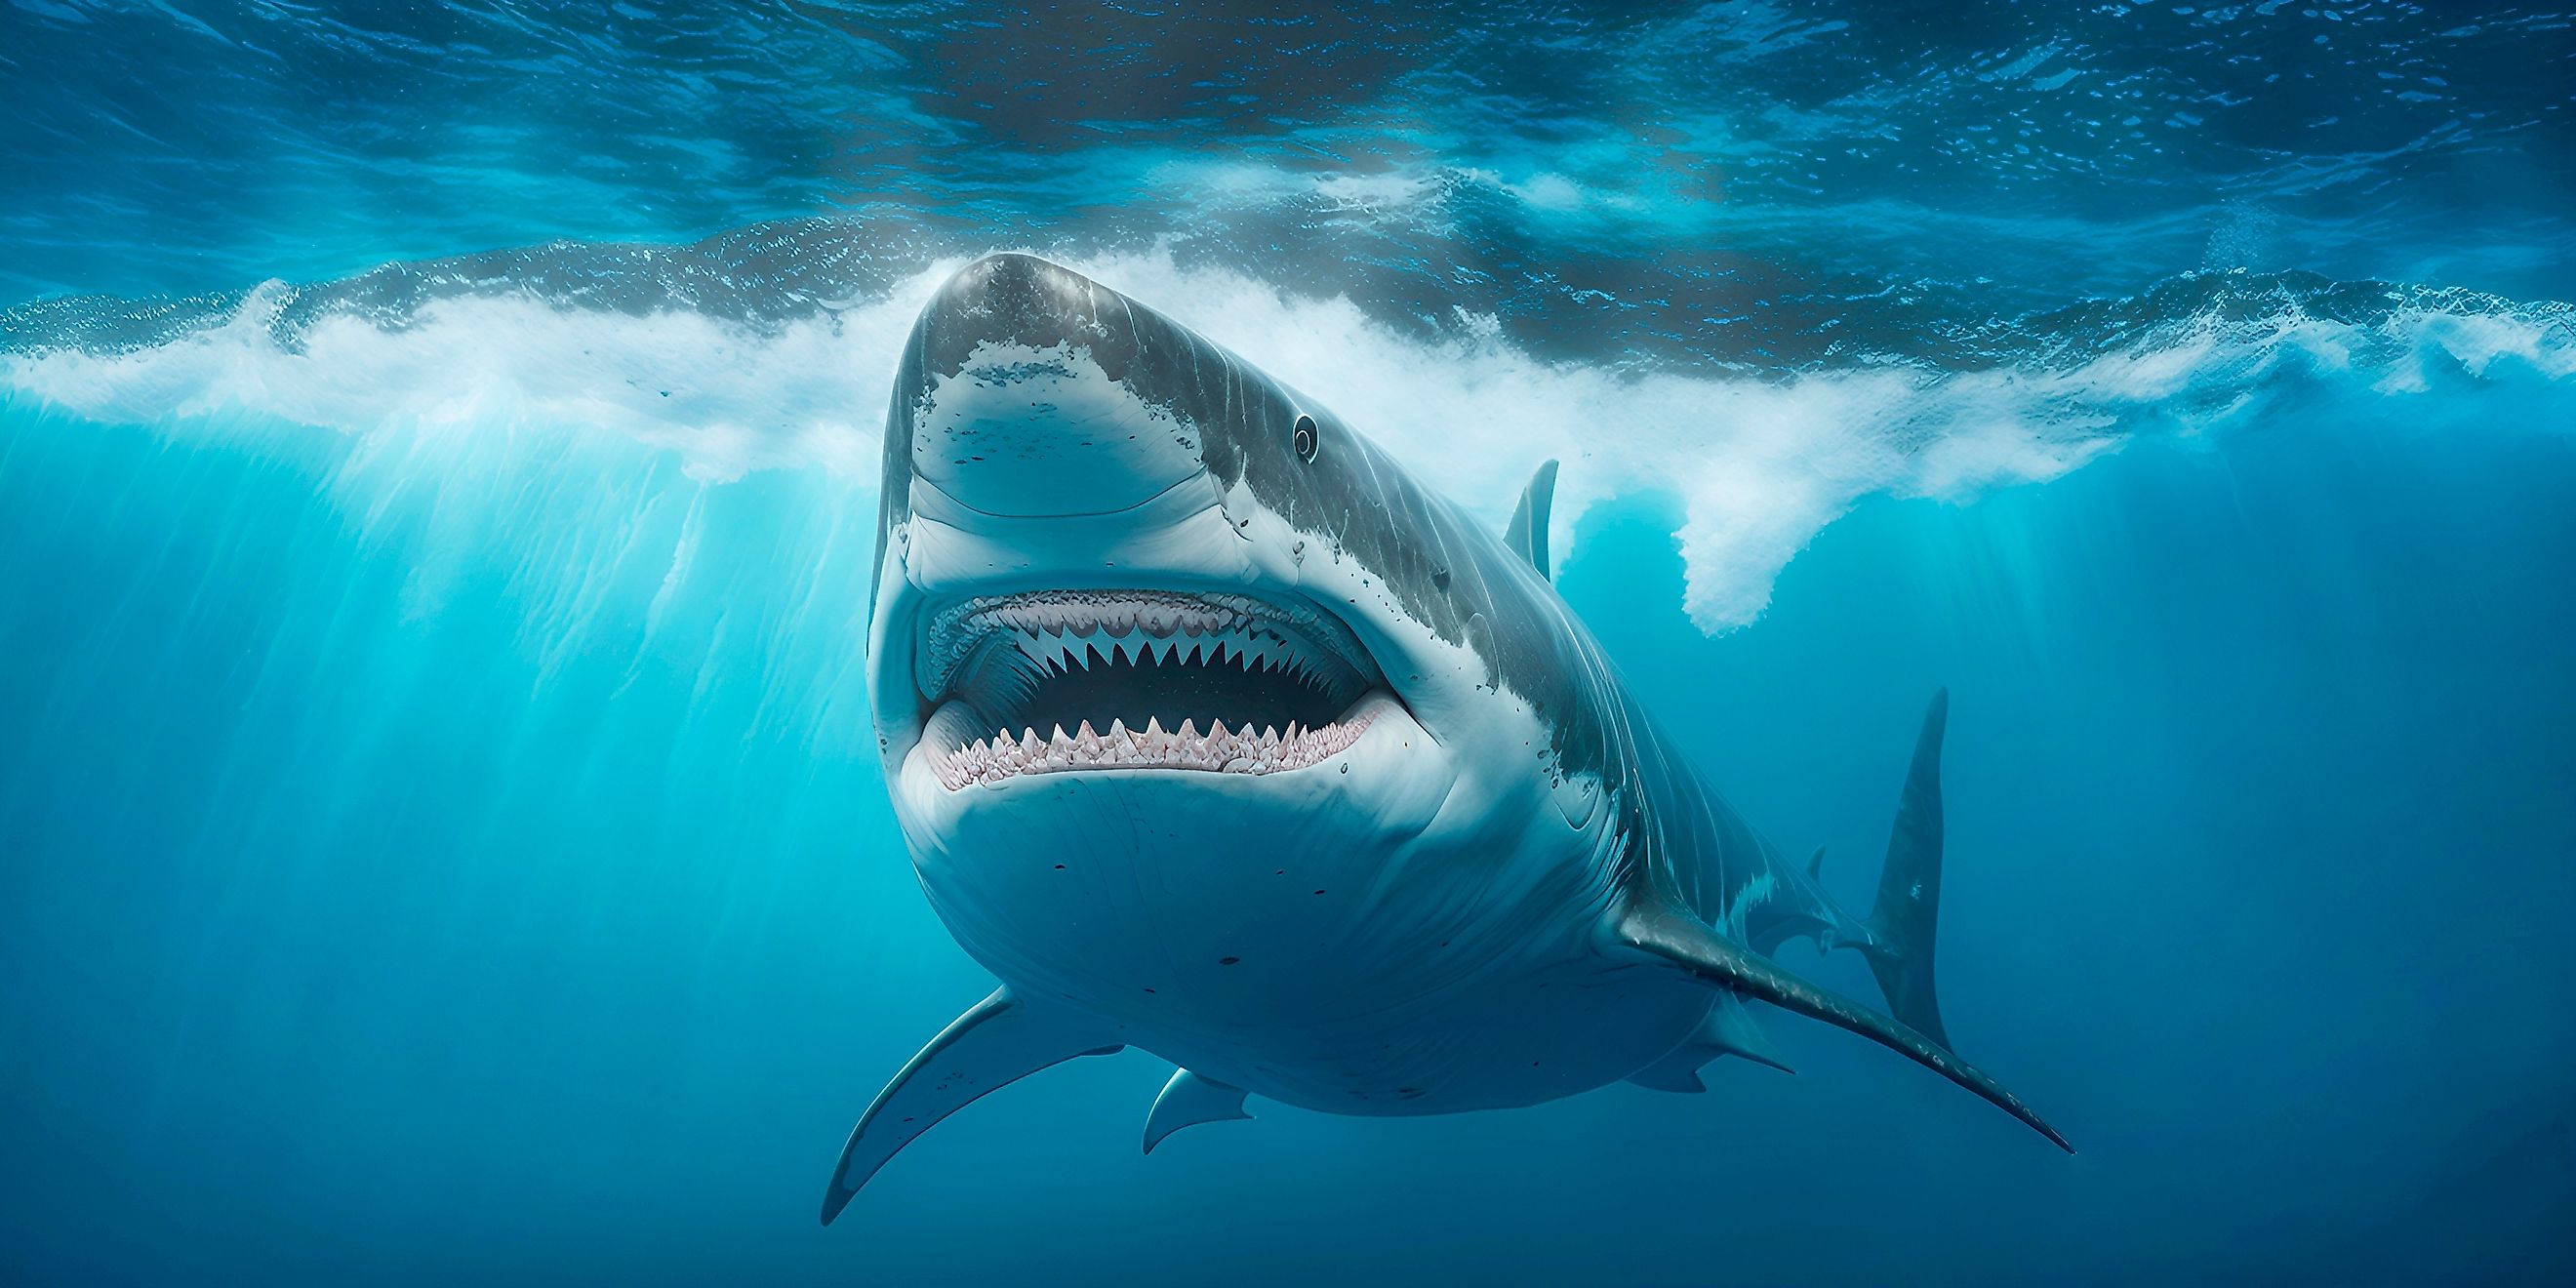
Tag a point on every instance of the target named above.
point(1213, 733)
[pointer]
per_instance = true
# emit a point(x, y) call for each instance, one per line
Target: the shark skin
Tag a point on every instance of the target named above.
point(1212, 733)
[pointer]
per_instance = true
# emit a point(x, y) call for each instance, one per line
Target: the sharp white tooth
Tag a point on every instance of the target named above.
point(1153, 726)
point(1118, 731)
point(1270, 734)
point(1188, 733)
point(1087, 741)
point(1029, 743)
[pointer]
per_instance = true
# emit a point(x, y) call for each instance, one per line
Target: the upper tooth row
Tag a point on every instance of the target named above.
point(1098, 616)
point(1160, 620)
point(1066, 650)
point(1156, 617)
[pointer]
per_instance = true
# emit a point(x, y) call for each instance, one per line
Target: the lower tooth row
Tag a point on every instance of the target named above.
point(1238, 751)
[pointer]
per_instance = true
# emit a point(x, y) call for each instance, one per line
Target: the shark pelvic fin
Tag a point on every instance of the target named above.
point(1188, 1100)
point(1683, 940)
point(1903, 922)
point(1729, 1029)
point(1527, 535)
point(998, 1042)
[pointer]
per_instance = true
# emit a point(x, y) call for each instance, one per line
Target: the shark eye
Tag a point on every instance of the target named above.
point(1305, 439)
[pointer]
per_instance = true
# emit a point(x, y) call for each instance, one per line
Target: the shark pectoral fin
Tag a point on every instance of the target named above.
point(1729, 1029)
point(998, 1042)
point(1188, 1100)
point(1685, 941)
point(1527, 535)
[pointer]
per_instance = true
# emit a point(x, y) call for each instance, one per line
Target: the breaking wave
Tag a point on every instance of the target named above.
point(684, 351)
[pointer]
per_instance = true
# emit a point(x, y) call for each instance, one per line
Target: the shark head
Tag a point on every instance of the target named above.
point(1181, 683)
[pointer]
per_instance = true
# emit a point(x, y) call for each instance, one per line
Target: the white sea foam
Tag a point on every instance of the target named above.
point(1762, 466)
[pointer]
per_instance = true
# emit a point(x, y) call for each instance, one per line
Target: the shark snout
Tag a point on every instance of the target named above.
point(1035, 392)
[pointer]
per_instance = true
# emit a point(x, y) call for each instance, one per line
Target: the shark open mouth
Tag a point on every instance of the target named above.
point(1062, 681)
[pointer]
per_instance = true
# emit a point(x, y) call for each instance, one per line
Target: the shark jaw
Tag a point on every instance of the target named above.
point(1092, 681)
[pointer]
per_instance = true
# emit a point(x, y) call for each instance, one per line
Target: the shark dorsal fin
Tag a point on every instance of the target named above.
point(1527, 534)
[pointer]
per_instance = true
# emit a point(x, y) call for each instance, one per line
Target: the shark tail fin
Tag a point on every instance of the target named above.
point(1902, 925)
point(1527, 535)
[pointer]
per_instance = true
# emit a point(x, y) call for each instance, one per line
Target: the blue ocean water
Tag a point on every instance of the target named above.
point(440, 834)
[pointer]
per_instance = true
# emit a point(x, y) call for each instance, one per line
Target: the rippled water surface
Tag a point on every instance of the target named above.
point(440, 836)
